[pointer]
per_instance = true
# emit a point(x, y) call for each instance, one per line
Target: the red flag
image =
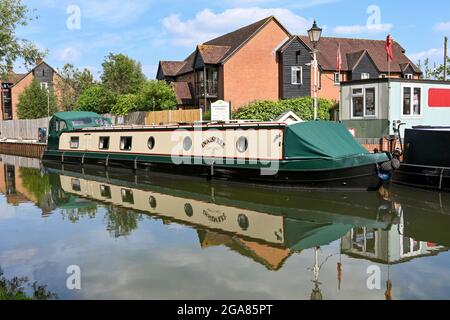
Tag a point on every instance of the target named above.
point(389, 44)
point(339, 59)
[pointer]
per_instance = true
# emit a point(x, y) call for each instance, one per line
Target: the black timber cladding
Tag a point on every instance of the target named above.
point(295, 54)
point(365, 65)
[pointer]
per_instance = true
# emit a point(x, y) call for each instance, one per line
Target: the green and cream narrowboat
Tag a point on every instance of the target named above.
point(312, 155)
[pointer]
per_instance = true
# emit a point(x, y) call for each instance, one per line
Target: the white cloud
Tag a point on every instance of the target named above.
point(363, 29)
point(434, 54)
point(207, 25)
point(442, 27)
point(68, 54)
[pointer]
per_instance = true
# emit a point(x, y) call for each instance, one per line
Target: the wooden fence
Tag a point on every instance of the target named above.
point(22, 129)
point(173, 116)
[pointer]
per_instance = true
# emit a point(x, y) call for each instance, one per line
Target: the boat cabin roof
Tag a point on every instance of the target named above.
point(76, 120)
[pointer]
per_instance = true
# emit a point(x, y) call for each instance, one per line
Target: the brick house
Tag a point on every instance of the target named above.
point(14, 84)
point(263, 61)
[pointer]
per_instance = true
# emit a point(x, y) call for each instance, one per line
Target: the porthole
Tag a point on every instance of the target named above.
point(188, 210)
point(242, 144)
point(152, 202)
point(243, 222)
point(187, 144)
point(151, 143)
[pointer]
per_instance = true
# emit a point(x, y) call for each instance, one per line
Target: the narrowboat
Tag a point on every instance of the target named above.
point(426, 159)
point(311, 155)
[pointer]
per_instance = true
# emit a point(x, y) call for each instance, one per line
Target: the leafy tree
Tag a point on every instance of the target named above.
point(72, 83)
point(269, 110)
point(122, 74)
point(36, 102)
point(13, 14)
point(157, 95)
point(125, 104)
point(433, 73)
point(96, 99)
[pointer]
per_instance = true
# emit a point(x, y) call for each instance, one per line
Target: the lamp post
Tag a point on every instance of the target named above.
point(314, 35)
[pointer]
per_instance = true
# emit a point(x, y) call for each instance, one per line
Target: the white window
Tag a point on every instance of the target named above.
point(74, 142)
point(383, 76)
point(126, 143)
point(44, 85)
point(364, 102)
point(412, 101)
point(409, 76)
point(337, 78)
point(297, 75)
point(365, 76)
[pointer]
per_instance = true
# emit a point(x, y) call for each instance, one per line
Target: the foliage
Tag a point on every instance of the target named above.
point(14, 14)
point(157, 95)
point(122, 74)
point(15, 288)
point(37, 184)
point(125, 104)
point(96, 99)
point(72, 83)
point(269, 110)
point(35, 102)
point(120, 221)
point(435, 73)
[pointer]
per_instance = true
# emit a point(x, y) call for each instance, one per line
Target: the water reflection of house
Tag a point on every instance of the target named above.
point(272, 257)
point(386, 246)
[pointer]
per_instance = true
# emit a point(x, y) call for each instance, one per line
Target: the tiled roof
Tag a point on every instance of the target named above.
point(328, 48)
point(183, 93)
point(188, 64)
point(212, 54)
point(171, 68)
point(13, 77)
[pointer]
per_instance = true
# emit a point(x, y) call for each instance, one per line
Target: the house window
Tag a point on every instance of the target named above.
point(297, 56)
point(337, 78)
point(297, 75)
point(126, 143)
point(103, 143)
point(412, 101)
point(365, 76)
point(383, 76)
point(364, 102)
point(74, 142)
point(409, 76)
point(44, 85)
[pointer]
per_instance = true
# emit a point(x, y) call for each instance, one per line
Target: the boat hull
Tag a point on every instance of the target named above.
point(361, 177)
point(425, 177)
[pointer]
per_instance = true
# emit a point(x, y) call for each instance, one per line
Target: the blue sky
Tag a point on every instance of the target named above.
point(151, 30)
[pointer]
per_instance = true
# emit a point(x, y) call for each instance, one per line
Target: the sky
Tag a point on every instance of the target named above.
point(83, 32)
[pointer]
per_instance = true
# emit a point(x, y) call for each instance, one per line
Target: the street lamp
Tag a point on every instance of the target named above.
point(314, 36)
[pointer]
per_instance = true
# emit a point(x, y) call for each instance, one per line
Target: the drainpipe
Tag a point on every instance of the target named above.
point(445, 58)
point(204, 81)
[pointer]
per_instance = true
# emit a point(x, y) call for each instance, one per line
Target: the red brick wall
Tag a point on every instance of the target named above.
point(253, 73)
point(17, 90)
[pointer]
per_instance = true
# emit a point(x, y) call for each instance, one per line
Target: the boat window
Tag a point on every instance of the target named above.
point(151, 143)
point(188, 210)
point(152, 202)
point(127, 196)
point(187, 143)
point(105, 191)
point(62, 125)
point(74, 142)
point(243, 222)
point(126, 143)
point(103, 143)
point(76, 185)
point(242, 144)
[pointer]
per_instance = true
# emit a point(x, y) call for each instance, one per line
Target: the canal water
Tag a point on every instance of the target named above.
point(126, 235)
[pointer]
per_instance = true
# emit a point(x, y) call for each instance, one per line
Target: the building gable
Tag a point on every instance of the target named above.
point(365, 65)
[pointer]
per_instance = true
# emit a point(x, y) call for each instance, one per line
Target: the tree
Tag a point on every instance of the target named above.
point(157, 95)
point(72, 83)
point(96, 99)
point(435, 73)
point(269, 110)
point(122, 74)
point(125, 104)
point(36, 102)
point(13, 14)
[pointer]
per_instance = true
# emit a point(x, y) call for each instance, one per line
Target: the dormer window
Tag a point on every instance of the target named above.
point(409, 76)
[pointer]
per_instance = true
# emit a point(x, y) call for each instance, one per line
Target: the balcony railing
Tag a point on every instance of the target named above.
point(211, 88)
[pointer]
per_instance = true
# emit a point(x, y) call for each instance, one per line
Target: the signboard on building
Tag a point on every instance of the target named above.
point(220, 111)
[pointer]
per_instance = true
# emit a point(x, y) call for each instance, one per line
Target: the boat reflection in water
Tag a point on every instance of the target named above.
point(267, 226)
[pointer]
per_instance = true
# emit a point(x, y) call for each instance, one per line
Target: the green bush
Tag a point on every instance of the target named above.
point(156, 95)
point(96, 99)
point(269, 110)
point(125, 104)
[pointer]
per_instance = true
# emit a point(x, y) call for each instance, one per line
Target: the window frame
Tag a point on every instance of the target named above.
point(409, 76)
point(120, 143)
point(100, 140)
point(44, 85)
point(411, 105)
point(365, 76)
point(363, 94)
point(339, 75)
point(71, 141)
point(297, 69)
